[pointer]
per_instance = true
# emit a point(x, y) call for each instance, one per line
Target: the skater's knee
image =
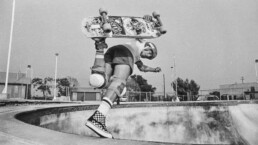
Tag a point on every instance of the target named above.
point(99, 78)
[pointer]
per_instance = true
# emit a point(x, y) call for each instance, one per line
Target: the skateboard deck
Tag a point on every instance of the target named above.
point(121, 27)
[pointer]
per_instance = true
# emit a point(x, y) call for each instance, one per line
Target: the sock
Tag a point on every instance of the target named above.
point(105, 106)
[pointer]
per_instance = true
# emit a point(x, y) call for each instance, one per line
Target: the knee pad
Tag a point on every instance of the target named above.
point(97, 77)
point(97, 80)
point(117, 85)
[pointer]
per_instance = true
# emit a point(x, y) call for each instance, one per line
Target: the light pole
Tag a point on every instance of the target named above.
point(174, 80)
point(31, 77)
point(4, 92)
point(29, 74)
point(164, 85)
point(55, 76)
point(27, 86)
point(174, 66)
point(256, 72)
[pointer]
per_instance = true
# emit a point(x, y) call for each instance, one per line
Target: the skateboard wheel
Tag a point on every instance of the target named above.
point(162, 30)
point(155, 14)
point(107, 28)
point(102, 10)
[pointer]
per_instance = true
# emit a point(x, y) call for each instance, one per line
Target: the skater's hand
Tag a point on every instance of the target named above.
point(100, 43)
point(147, 17)
point(157, 69)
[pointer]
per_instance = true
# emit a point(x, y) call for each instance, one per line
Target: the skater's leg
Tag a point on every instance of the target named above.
point(108, 72)
point(115, 88)
point(117, 83)
point(97, 77)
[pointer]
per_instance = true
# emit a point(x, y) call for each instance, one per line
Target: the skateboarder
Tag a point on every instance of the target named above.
point(119, 64)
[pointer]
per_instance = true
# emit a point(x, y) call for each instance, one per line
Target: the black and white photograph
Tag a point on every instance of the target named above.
point(128, 72)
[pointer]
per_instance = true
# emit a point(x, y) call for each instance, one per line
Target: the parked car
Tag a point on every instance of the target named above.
point(207, 98)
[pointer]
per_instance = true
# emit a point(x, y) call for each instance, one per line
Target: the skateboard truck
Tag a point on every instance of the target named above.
point(106, 26)
point(156, 15)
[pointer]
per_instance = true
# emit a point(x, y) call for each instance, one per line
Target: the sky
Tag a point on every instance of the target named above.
point(212, 42)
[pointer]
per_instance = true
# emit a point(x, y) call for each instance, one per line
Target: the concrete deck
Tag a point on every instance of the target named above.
point(15, 132)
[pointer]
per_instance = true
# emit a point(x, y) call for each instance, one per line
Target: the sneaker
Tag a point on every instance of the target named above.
point(97, 124)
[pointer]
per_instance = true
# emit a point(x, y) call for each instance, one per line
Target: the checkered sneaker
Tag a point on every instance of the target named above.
point(97, 124)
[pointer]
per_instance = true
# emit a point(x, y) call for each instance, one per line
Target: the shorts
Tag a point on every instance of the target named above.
point(119, 55)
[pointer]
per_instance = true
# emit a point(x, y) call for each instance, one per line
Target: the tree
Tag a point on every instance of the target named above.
point(143, 84)
point(136, 84)
point(62, 85)
point(194, 87)
point(42, 85)
point(184, 87)
point(65, 84)
point(73, 81)
point(132, 85)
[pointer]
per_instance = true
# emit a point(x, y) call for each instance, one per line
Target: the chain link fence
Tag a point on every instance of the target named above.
point(242, 93)
point(133, 96)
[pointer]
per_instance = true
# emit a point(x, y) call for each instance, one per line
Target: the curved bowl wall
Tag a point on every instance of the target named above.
point(188, 123)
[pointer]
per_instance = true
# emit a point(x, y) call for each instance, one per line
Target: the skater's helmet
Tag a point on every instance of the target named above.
point(152, 47)
point(140, 44)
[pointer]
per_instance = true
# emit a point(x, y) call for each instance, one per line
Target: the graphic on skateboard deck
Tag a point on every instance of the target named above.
point(122, 26)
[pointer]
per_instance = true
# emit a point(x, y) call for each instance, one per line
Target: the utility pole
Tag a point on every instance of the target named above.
point(175, 76)
point(242, 79)
point(173, 79)
point(28, 75)
point(164, 86)
point(256, 72)
point(55, 76)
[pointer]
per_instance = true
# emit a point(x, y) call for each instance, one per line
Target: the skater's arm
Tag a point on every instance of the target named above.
point(145, 68)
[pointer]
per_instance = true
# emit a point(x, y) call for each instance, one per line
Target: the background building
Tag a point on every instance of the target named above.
point(18, 85)
point(86, 94)
point(239, 91)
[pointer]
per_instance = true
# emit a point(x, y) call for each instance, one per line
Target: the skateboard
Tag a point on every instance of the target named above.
point(122, 26)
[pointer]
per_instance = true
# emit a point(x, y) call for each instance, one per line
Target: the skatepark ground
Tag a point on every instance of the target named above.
point(16, 132)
